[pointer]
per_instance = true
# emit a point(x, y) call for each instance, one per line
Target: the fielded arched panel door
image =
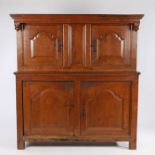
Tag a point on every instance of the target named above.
point(48, 108)
point(105, 107)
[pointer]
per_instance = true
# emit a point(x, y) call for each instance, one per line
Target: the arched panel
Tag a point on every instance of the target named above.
point(99, 103)
point(43, 45)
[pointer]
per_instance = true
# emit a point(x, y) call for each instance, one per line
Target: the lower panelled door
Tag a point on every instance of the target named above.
point(105, 108)
point(48, 108)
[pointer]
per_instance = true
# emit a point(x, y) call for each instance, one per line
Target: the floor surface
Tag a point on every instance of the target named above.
point(146, 146)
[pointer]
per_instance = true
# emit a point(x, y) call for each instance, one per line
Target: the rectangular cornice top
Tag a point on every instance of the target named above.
point(77, 18)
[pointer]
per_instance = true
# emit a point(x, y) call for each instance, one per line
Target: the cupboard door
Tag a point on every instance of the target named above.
point(110, 46)
point(105, 108)
point(48, 108)
point(43, 45)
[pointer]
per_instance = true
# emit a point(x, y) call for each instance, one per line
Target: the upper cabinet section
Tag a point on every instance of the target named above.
point(76, 42)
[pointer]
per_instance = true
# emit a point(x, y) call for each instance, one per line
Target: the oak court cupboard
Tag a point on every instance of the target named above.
point(76, 79)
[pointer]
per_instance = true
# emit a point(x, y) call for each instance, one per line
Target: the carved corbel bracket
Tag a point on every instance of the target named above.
point(135, 26)
point(19, 26)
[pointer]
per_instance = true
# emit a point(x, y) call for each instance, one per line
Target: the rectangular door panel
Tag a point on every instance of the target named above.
point(48, 108)
point(105, 107)
point(75, 45)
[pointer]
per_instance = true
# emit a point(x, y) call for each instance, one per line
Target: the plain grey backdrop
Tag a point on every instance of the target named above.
point(146, 50)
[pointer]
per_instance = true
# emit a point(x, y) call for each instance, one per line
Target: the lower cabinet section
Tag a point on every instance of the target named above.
point(77, 108)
